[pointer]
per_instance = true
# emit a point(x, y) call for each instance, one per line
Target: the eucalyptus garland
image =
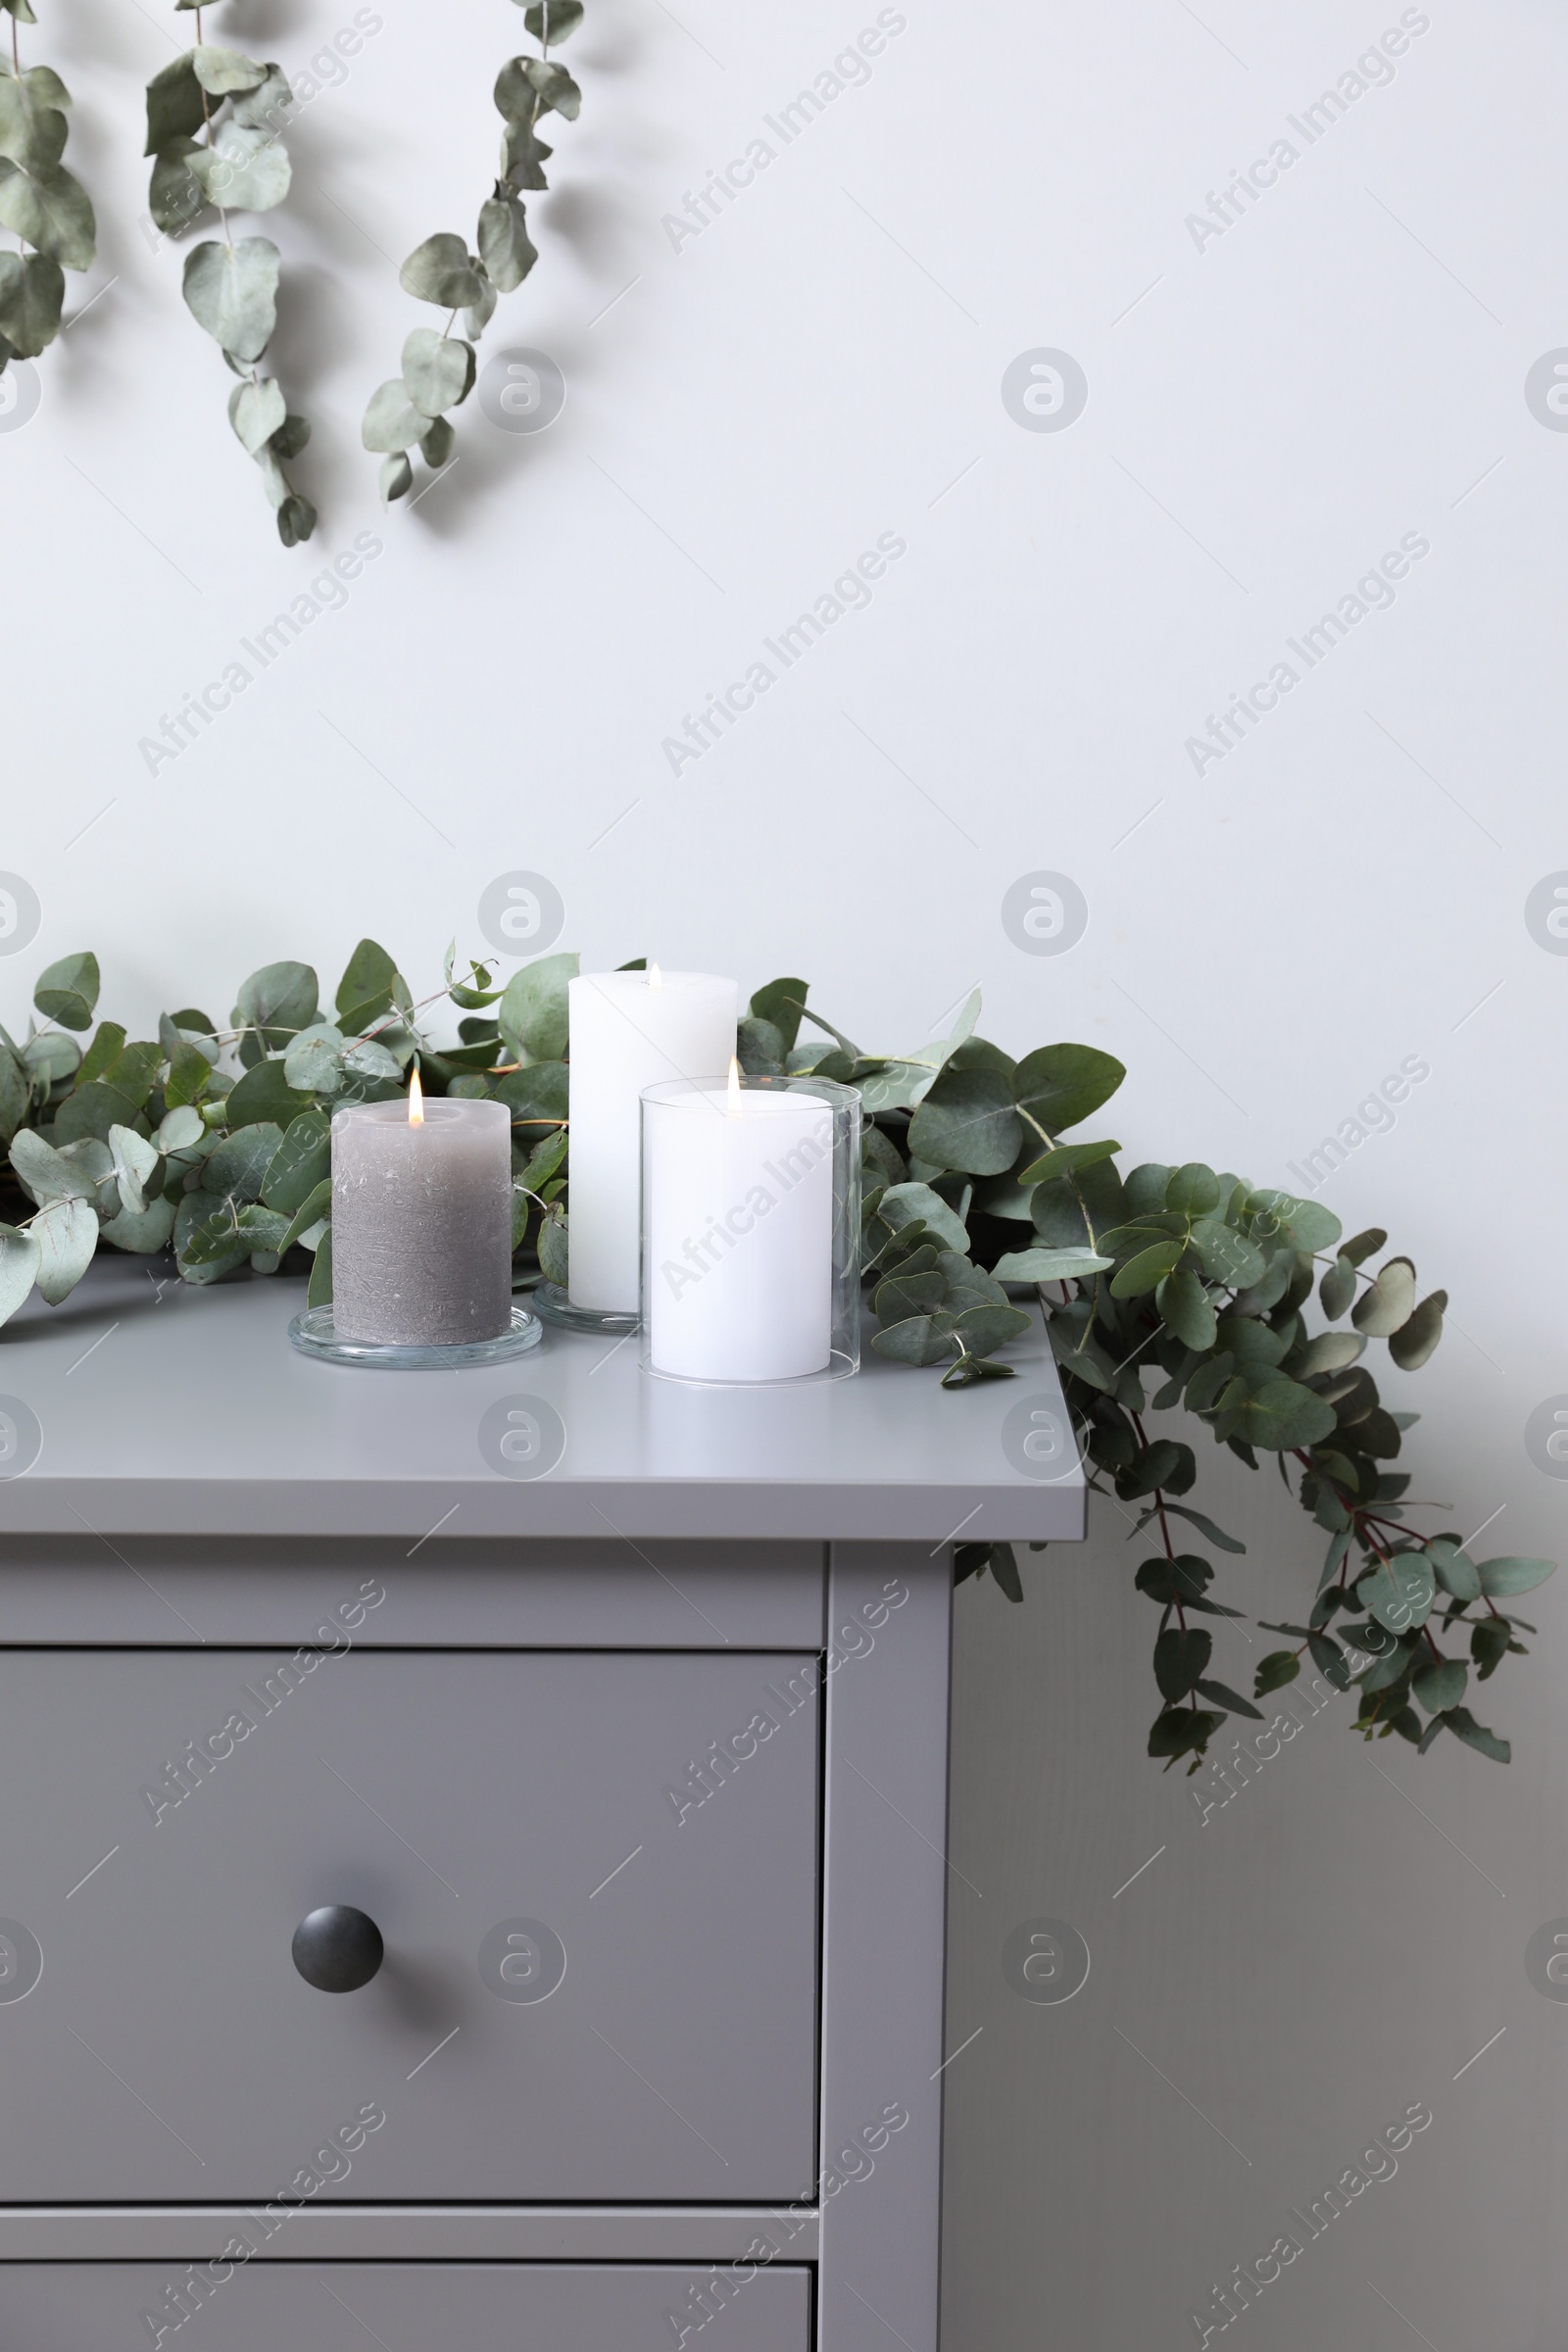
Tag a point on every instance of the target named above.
point(214, 131)
point(438, 369)
point(44, 205)
point(214, 1141)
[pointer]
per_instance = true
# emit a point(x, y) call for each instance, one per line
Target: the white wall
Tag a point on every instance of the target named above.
point(1267, 416)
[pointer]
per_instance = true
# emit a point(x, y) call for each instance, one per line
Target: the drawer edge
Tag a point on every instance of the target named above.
point(341, 2232)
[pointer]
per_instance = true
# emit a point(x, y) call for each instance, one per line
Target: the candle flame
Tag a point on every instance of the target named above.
point(415, 1102)
point(655, 978)
point(734, 1088)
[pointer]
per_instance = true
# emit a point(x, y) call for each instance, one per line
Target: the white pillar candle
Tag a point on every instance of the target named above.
point(738, 1233)
point(421, 1221)
point(629, 1030)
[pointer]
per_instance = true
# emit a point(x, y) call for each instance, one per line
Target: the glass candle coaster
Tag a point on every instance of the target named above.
point(314, 1334)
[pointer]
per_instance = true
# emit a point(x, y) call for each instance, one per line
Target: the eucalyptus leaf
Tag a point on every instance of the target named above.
point(1305, 1224)
point(365, 991)
point(1440, 1686)
point(906, 1204)
point(319, 1292)
point(1410, 1345)
point(238, 1168)
point(370, 1058)
point(533, 1012)
point(90, 1158)
point(20, 1259)
point(316, 1205)
point(179, 1128)
point(242, 170)
point(256, 412)
point(919, 1340)
point(1184, 1305)
point(1146, 1269)
point(1464, 1726)
point(907, 1293)
point(437, 444)
point(314, 1061)
point(189, 1076)
point(144, 1232)
point(50, 208)
point(396, 477)
point(480, 312)
point(66, 1235)
point(300, 1163)
point(51, 1057)
point(1455, 1569)
point(966, 1121)
point(67, 991)
point(1400, 1591)
point(440, 271)
point(32, 126)
point(232, 292)
point(554, 1249)
point(273, 1005)
point(536, 1095)
point(45, 1175)
point(1279, 1667)
point(1180, 1658)
point(261, 107)
point(505, 246)
point(557, 93)
point(223, 71)
point(1193, 1190)
point(523, 157)
point(552, 20)
point(296, 518)
point(1330, 1351)
point(135, 1161)
point(174, 109)
point(1388, 1302)
point(1048, 1265)
point(1337, 1288)
point(15, 1094)
point(1282, 1415)
point(392, 424)
point(1499, 1578)
point(32, 289)
point(979, 1329)
point(1058, 1086)
point(1227, 1257)
point(1063, 1159)
point(174, 197)
point(437, 372)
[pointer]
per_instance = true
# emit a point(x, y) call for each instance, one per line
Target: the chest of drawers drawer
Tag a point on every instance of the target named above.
point(595, 1877)
point(405, 2307)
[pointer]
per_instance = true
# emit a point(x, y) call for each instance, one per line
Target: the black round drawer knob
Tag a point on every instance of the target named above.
point(337, 1948)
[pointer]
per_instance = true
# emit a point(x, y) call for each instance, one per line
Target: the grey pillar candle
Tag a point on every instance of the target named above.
point(421, 1221)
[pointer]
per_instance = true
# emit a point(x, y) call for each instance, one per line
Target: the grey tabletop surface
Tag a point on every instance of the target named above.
point(147, 1406)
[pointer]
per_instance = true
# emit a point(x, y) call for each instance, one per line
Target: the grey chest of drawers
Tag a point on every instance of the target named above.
point(474, 1855)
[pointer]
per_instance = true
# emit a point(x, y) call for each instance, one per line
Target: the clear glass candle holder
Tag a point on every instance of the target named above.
point(751, 1230)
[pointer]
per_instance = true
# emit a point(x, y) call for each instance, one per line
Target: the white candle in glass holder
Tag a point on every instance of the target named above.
point(629, 1030)
point(738, 1233)
point(421, 1221)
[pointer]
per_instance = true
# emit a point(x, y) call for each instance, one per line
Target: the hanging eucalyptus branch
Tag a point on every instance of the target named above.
point(216, 1141)
point(214, 122)
point(438, 368)
point(40, 201)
